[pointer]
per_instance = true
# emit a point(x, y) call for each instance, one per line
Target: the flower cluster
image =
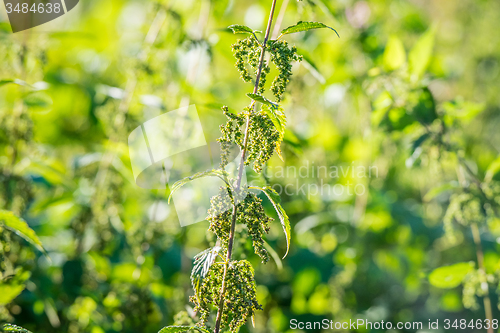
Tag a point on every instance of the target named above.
point(262, 137)
point(240, 298)
point(250, 213)
point(282, 56)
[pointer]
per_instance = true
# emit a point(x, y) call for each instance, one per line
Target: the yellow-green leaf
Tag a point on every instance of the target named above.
point(421, 53)
point(21, 228)
point(9, 292)
point(394, 54)
point(448, 277)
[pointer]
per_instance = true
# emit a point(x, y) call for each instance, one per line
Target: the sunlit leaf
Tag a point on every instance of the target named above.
point(421, 53)
point(38, 100)
point(394, 54)
point(448, 277)
point(305, 26)
point(9, 292)
point(493, 169)
point(242, 29)
point(178, 329)
point(211, 173)
point(261, 99)
point(21, 228)
point(202, 263)
point(273, 196)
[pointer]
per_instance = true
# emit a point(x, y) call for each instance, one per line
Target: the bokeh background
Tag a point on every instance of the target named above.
point(120, 261)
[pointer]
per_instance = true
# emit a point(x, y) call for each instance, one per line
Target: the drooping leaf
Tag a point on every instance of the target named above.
point(394, 54)
point(304, 26)
point(9, 292)
point(242, 29)
point(14, 328)
point(178, 329)
point(274, 255)
point(262, 99)
point(21, 228)
point(448, 277)
point(421, 53)
point(210, 173)
point(273, 196)
point(278, 117)
point(202, 263)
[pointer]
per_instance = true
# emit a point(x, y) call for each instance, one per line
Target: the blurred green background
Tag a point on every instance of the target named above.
point(119, 260)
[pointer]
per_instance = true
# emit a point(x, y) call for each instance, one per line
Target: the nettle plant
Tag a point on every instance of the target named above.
point(223, 285)
point(404, 107)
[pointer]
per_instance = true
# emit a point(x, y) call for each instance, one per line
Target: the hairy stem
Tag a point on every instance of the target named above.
point(484, 285)
point(241, 167)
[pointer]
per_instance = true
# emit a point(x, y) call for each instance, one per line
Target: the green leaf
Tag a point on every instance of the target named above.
point(304, 26)
point(448, 277)
point(421, 53)
point(202, 263)
point(278, 117)
point(262, 99)
point(211, 173)
point(394, 54)
point(14, 328)
point(242, 29)
point(434, 192)
point(380, 106)
point(274, 197)
point(177, 329)
point(274, 254)
point(9, 292)
point(424, 109)
point(14, 81)
point(38, 99)
point(493, 169)
point(21, 228)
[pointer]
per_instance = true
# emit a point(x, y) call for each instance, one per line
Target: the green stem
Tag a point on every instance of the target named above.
point(240, 174)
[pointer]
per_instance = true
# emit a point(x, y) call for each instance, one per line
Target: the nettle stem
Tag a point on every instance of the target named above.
point(480, 262)
point(241, 167)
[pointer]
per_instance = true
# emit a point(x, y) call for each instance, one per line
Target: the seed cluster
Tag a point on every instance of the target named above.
point(282, 56)
point(250, 213)
point(240, 298)
point(262, 137)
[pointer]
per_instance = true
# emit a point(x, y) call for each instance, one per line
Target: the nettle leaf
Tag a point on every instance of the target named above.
point(14, 328)
point(9, 292)
point(448, 277)
point(278, 117)
point(434, 192)
point(274, 197)
point(210, 173)
point(424, 108)
point(305, 26)
point(262, 99)
point(394, 54)
point(21, 228)
point(242, 29)
point(493, 169)
point(420, 55)
point(202, 263)
point(178, 329)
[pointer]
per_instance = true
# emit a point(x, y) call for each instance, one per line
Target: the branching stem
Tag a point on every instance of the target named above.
point(240, 173)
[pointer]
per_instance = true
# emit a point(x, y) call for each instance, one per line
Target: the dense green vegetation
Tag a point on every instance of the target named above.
point(390, 173)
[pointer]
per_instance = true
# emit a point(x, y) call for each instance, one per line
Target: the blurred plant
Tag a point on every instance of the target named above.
point(221, 283)
point(404, 105)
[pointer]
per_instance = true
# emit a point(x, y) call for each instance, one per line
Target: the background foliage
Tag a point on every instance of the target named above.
point(120, 262)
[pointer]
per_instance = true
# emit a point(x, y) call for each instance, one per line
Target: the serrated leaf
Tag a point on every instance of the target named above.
point(210, 173)
point(14, 328)
point(274, 197)
point(278, 117)
point(178, 329)
point(242, 29)
point(304, 26)
point(421, 53)
point(202, 263)
point(448, 277)
point(394, 54)
point(9, 292)
point(262, 99)
point(21, 228)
